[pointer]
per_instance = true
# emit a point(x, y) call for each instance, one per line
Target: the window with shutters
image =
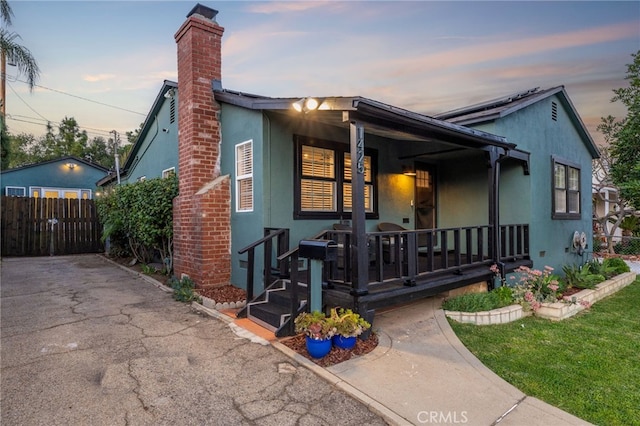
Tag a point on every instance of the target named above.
point(244, 176)
point(323, 180)
point(566, 190)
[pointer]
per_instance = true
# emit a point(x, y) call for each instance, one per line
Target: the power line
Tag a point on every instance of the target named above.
point(84, 99)
point(25, 102)
point(25, 119)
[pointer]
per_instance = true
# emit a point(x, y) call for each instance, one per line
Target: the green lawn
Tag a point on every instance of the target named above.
point(587, 365)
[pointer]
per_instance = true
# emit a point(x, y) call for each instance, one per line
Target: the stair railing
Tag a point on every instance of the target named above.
point(282, 244)
point(295, 308)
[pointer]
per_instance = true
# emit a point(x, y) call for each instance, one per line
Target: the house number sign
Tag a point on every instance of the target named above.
point(360, 151)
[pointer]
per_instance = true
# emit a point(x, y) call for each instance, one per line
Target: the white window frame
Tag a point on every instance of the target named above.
point(7, 188)
point(245, 177)
point(41, 190)
point(166, 172)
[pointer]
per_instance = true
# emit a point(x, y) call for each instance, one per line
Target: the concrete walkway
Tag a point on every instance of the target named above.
point(84, 342)
point(422, 374)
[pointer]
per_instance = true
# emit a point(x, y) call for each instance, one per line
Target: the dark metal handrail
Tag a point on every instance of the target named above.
point(282, 235)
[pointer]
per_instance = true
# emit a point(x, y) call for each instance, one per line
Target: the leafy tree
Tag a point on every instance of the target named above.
point(625, 143)
point(602, 184)
point(66, 139)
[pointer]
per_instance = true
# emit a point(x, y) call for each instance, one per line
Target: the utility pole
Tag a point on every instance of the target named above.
point(116, 139)
point(3, 85)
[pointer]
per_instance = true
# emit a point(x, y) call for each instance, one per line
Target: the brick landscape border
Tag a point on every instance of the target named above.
point(554, 311)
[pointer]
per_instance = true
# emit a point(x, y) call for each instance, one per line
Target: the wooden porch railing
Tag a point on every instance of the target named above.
point(415, 255)
point(407, 257)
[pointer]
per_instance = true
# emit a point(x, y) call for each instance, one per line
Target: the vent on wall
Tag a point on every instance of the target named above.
point(172, 110)
point(554, 111)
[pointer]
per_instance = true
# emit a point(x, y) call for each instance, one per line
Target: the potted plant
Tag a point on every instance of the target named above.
point(348, 325)
point(318, 331)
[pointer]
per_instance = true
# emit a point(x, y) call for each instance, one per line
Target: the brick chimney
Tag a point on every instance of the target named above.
point(201, 212)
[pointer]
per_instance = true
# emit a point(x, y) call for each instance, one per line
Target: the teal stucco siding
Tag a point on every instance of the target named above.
point(239, 125)
point(158, 150)
point(529, 198)
point(54, 174)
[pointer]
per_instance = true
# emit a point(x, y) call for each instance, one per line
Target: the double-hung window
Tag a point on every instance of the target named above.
point(323, 180)
point(566, 189)
point(244, 176)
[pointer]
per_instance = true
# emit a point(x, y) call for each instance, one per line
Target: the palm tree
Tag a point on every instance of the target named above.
point(14, 52)
point(22, 58)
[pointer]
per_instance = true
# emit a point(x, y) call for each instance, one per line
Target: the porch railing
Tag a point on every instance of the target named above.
point(411, 256)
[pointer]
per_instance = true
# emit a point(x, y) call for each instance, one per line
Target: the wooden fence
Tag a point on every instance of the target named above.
point(49, 226)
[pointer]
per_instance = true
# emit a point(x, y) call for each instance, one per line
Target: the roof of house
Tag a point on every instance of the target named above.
point(68, 158)
point(383, 119)
point(498, 108)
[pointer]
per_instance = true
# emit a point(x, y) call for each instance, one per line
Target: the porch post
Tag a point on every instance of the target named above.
point(359, 251)
point(494, 207)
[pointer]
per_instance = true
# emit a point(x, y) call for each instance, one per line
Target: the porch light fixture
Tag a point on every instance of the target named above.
point(305, 105)
point(71, 165)
point(408, 170)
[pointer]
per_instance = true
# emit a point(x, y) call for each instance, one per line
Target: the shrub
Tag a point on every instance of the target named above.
point(582, 277)
point(183, 289)
point(535, 287)
point(477, 302)
point(143, 213)
point(617, 265)
point(504, 294)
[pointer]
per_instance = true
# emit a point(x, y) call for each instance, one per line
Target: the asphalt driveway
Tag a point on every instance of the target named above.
point(84, 342)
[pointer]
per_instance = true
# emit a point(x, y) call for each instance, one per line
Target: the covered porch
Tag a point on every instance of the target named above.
point(453, 244)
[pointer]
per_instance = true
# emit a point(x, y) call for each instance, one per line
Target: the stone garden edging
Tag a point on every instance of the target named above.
point(554, 311)
point(212, 304)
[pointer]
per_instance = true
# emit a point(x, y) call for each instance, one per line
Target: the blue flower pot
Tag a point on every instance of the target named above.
point(343, 342)
point(318, 348)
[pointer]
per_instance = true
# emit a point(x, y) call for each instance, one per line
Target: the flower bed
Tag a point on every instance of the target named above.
point(554, 311)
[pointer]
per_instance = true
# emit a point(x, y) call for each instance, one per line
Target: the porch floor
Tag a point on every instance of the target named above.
point(397, 291)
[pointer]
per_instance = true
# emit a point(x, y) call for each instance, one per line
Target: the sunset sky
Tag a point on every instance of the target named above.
point(104, 62)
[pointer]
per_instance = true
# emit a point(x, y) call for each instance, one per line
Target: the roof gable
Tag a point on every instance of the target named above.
point(162, 96)
point(501, 107)
point(68, 158)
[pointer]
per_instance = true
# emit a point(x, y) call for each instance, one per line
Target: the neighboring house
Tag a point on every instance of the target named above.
point(556, 198)
point(66, 177)
point(155, 152)
point(416, 205)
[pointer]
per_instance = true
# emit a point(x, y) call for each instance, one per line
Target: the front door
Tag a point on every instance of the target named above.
point(425, 194)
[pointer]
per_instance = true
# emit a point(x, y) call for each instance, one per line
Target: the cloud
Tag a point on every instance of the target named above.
point(509, 49)
point(98, 77)
point(288, 7)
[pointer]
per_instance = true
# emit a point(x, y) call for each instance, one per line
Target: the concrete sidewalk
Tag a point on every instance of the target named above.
point(420, 373)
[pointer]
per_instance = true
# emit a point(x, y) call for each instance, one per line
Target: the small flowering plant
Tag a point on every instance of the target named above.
point(534, 287)
point(315, 325)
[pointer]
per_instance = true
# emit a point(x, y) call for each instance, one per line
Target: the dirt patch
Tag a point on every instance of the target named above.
point(571, 291)
point(337, 355)
point(223, 294)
